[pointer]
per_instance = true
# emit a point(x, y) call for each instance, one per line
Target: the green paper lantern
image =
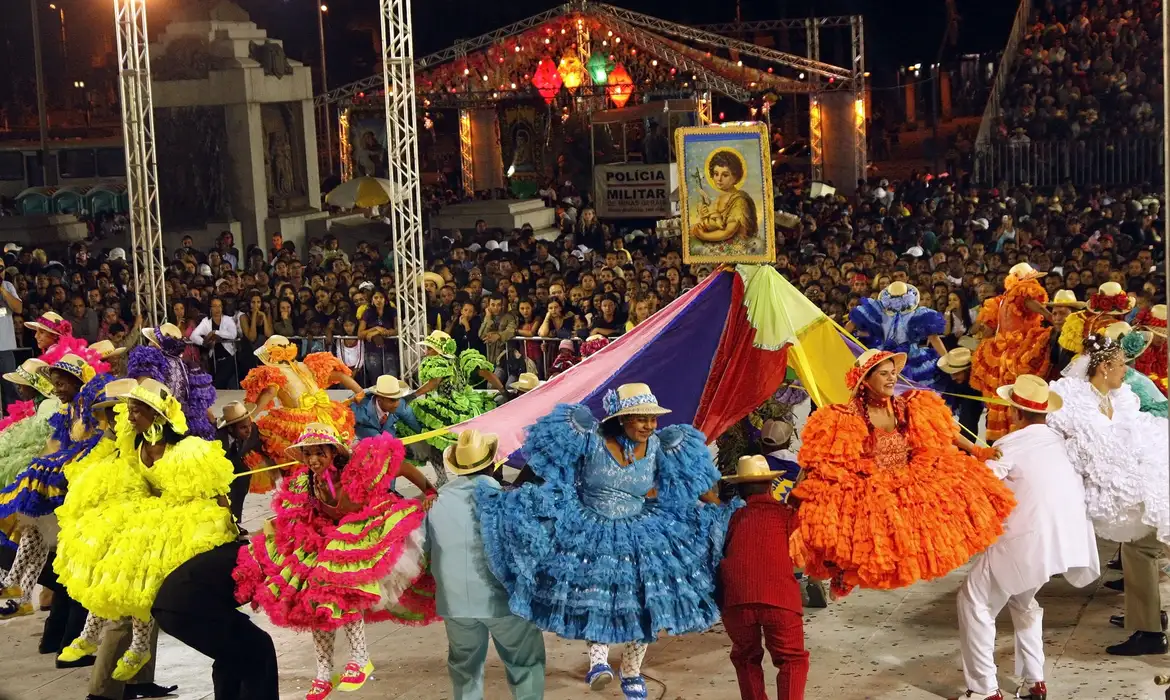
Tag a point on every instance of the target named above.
point(599, 67)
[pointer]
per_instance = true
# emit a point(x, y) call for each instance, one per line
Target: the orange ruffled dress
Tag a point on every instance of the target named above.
point(883, 509)
point(1019, 346)
point(301, 392)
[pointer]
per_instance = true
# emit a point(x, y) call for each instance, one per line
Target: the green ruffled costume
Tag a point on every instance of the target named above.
point(26, 439)
point(454, 400)
point(1152, 400)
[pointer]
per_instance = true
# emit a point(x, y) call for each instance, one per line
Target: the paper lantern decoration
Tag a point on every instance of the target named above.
point(599, 67)
point(547, 80)
point(572, 71)
point(620, 87)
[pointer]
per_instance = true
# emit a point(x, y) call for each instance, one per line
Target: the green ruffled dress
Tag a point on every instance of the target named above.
point(454, 400)
point(26, 439)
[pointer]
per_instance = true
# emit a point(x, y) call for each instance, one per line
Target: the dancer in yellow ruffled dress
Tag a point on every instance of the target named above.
point(300, 387)
point(163, 500)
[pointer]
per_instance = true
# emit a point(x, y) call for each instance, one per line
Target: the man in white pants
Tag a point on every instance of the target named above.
point(1048, 533)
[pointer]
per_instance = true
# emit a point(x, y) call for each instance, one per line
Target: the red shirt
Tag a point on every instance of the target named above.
point(756, 568)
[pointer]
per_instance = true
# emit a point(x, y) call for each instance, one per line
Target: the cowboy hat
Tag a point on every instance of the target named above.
point(471, 453)
point(751, 468)
point(955, 361)
point(776, 432)
point(105, 349)
point(28, 372)
point(1023, 271)
point(1133, 342)
point(1111, 299)
point(233, 413)
point(435, 279)
point(168, 330)
point(318, 434)
point(631, 400)
point(114, 392)
point(441, 343)
point(50, 322)
point(1031, 393)
point(272, 342)
point(525, 382)
point(390, 387)
point(866, 363)
point(899, 296)
point(1066, 297)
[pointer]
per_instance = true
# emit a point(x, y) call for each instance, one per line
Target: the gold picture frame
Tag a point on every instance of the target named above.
point(725, 194)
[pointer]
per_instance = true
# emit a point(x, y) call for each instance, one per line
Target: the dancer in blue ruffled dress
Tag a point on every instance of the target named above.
point(615, 545)
point(894, 322)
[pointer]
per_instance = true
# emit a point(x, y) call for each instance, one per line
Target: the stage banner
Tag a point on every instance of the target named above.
point(634, 191)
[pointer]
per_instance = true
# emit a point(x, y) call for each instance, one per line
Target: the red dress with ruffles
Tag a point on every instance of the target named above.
point(883, 509)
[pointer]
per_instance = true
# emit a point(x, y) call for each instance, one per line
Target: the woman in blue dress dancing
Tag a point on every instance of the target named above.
point(894, 322)
point(615, 545)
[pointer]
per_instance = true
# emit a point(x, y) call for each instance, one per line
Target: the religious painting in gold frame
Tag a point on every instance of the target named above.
point(725, 194)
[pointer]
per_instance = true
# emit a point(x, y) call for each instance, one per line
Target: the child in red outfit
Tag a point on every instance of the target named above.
point(759, 593)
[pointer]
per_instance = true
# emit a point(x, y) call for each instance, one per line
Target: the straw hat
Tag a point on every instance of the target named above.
point(273, 341)
point(105, 349)
point(866, 363)
point(51, 322)
point(74, 366)
point(1023, 271)
point(318, 434)
point(1156, 320)
point(1031, 393)
point(114, 392)
point(233, 413)
point(899, 296)
point(751, 468)
point(158, 397)
point(389, 387)
point(441, 343)
point(526, 382)
point(167, 330)
point(472, 452)
point(1066, 297)
point(955, 361)
point(28, 373)
point(435, 279)
point(631, 400)
point(1132, 342)
point(1111, 299)
point(776, 432)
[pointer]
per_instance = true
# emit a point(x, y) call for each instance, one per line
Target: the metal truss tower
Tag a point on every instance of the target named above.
point(405, 207)
point(141, 164)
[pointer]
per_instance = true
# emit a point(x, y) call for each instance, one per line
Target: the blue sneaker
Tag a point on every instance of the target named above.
point(634, 688)
point(599, 676)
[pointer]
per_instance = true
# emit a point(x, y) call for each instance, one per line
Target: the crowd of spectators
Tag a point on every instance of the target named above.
point(533, 305)
point(1087, 69)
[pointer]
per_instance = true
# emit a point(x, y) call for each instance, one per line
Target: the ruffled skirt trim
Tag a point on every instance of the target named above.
point(40, 488)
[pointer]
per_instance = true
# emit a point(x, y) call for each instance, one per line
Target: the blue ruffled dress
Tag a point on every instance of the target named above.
point(903, 331)
point(587, 555)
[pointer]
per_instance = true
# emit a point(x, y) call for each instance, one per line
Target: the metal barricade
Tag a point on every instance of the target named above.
point(1105, 162)
point(1005, 73)
point(372, 361)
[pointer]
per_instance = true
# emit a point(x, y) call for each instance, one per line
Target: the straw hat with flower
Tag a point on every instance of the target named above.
point(1023, 272)
point(441, 343)
point(158, 397)
point(156, 336)
point(1154, 320)
point(899, 297)
point(275, 349)
point(472, 452)
point(1133, 342)
point(75, 367)
point(318, 434)
point(867, 362)
point(51, 322)
point(631, 400)
point(1111, 299)
point(1031, 393)
point(32, 373)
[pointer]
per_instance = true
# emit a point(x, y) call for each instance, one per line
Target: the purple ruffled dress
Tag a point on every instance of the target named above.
point(191, 386)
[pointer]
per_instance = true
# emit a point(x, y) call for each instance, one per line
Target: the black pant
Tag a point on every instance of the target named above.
point(66, 616)
point(197, 606)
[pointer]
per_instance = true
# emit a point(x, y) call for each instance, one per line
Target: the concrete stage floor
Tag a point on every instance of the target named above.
point(871, 646)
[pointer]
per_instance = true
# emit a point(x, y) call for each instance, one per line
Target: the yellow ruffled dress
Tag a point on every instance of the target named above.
point(139, 524)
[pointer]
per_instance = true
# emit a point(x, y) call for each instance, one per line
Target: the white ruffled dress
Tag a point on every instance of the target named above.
point(1123, 459)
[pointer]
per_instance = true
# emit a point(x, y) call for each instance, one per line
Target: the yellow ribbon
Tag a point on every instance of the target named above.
point(264, 469)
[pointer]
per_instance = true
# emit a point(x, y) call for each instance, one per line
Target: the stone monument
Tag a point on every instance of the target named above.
point(234, 127)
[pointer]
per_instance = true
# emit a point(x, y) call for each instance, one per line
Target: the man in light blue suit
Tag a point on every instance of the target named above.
point(383, 408)
point(472, 602)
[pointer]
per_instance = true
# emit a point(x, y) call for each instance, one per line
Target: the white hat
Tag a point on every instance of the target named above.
point(1023, 271)
point(776, 432)
point(526, 382)
point(915, 251)
point(366, 285)
point(272, 341)
point(1066, 297)
point(390, 387)
point(1031, 393)
point(492, 245)
point(473, 452)
point(205, 270)
point(631, 400)
point(106, 349)
point(955, 361)
point(12, 248)
point(982, 223)
point(117, 254)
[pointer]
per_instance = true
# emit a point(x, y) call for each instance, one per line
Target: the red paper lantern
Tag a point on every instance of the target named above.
point(547, 80)
point(620, 86)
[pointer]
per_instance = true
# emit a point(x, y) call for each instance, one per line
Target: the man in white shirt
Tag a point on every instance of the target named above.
point(219, 333)
point(10, 304)
point(1048, 533)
